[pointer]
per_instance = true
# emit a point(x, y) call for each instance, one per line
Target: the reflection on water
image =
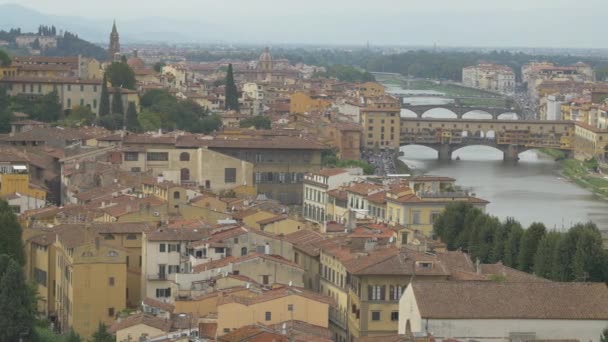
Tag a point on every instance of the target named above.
point(531, 190)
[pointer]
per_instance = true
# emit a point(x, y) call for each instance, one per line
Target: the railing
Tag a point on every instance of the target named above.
point(157, 276)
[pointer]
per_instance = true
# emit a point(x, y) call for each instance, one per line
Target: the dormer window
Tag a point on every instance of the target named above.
point(425, 265)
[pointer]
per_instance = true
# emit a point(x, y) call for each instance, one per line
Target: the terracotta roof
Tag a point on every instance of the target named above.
point(391, 261)
point(509, 274)
point(330, 172)
point(305, 241)
point(378, 197)
point(272, 219)
point(260, 142)
point(142, 318)
point(496, 300)
point(167, 307)
point(177, 234)
point(56, 80)
point(363, 188)
point(268, 257)
point(122, 228)
point(338, 194)
point(207, 329)
point(213, 264)
point(273, 294)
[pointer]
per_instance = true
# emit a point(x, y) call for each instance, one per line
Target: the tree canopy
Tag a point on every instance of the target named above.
point(5, 60)
point(10, 234)
point(16, 302)
point(173, 113)
point(347, 73)
point(121, 75)
point(258, 122)
point(575, 255)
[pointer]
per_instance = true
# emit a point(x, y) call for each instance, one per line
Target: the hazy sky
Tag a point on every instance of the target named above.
point(193, 8)
point(531, 23)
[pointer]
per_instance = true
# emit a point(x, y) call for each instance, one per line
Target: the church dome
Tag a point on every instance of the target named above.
point(266, 56)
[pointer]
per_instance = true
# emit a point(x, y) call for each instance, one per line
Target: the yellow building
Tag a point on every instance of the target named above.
point(419, 210)
point(91, 280)
point(381, 123)
point(304, 103)
point(271, 307)
point(16, 179)
point(590, 142)
point(140, 324)
point(376, 281)
point(370, 89)
point(306, 254)
point(40, 268)
point(128, 237)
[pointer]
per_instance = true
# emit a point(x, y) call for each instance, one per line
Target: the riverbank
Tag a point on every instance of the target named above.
point(578, 172)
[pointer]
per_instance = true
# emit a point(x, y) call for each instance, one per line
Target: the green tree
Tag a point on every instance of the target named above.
point(6, 115)
point(543, 259)
point(562, 258)
point(48, 108)
point(481, 238)
point(589, 259)
point(158, 66)
point(232, 93)
point(512, 244)
point(104, 100)
point(117, 105)
point(72, 336)
point(259, 122)
point(80, 116)
point(16, 302)
point(451, 223)
point(501, 236)
point(10, 234)
point(102, 334)
point(5, 60)
point(111, 122)
point(121, 75)
point(149, 121)
point(132, 122)
point(529, 245)
point(604, 336)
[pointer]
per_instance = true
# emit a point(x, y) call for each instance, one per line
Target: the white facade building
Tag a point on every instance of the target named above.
point(487, 311)
point(492, 77)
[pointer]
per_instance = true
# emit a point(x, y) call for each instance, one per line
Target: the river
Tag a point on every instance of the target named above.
point(531, 190)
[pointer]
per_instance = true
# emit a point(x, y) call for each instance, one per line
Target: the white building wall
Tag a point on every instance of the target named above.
point(492, 330)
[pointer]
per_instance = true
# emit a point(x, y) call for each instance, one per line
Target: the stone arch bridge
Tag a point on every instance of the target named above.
point(509, 136)
point(459, 110)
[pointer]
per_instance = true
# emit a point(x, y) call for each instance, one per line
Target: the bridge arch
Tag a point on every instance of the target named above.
point(508, 116)
point(439, 113)
point(475, 115)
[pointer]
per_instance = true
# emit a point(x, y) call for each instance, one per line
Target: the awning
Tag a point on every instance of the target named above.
point(20, 167)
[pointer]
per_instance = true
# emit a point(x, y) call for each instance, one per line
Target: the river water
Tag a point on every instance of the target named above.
point(531, 190)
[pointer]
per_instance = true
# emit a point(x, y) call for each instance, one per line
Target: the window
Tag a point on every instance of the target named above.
point(184, 156)
point(416, 217)
point(289, 307)
point(243, 251)
point(40, 88)
point(176, 195)
point(173, 269)
point(265, 280)
point(184, 174)
point(395, 316)
point(157, 156)
point(131, 156)
point(95, 88)
point(136, 169)
point(81, 102)
point(69, 87)
point(94, 103)
point(40, 276)
point(375, 315)
point(31, 88)
point(69, 103)
point(376, 292)
point(230, 175)
point(81, 87)
point(109, 237)
point(268, 315)
point(111, 281)
point(163, 293)
point(162, 247)
point(111, 312)
point(296, 257)
point(174, 247)
point(434, 216)
point(131, 237)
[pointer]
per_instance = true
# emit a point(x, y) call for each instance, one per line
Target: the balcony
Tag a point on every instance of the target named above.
point(157, 276)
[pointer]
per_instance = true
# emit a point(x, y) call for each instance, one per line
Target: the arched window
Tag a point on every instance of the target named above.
point(185, 174)
point(176, 195)
point(184, 156)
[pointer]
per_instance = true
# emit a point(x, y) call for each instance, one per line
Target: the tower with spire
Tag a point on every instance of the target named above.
point(114, 47)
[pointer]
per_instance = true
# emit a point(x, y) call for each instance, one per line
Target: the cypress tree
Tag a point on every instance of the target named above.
point(132, 122)
point(589, 256)
point(232, 95)
point(529, 245)
point(104, 101)
point(543, 259)
point(117, 107)
point(102, 334)
point(10, 234)
point(512, 245)
point(16, 302)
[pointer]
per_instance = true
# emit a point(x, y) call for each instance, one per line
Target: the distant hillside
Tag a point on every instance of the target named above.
point(68, 44)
